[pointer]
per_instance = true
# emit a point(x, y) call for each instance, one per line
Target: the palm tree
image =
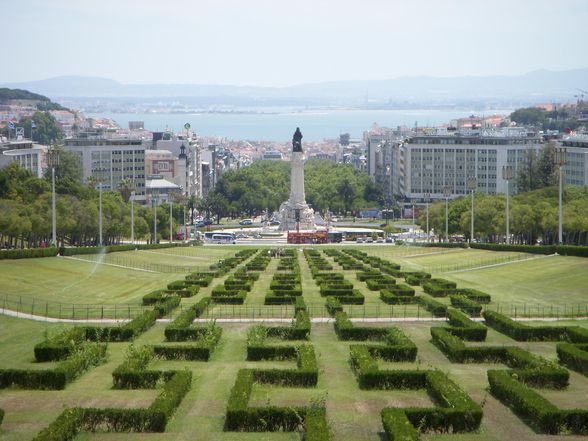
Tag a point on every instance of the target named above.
point(125, 188)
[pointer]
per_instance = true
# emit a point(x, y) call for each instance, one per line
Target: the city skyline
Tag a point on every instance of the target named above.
point(261, 43)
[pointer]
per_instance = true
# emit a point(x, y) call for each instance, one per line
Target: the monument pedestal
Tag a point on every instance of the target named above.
point(295, 212)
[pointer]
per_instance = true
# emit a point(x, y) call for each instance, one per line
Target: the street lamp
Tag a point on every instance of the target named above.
point(132, 217)
point(561, 156)
point(171, 221)
point(507, 175)
point(100, 214)
point(154, 198)
point(413, 224)
point(446, 193)
point(472, 184)
point(427, 197)
point(53, 161)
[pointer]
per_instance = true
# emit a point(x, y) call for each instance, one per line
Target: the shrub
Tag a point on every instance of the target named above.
point(64, 428)
point(436, 308)
point(574, 356)
point(125, 332)
point(521, 332)
point(59, 346)
point(465, 304)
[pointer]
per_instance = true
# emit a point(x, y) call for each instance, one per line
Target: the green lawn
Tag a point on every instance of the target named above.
point(353, 414)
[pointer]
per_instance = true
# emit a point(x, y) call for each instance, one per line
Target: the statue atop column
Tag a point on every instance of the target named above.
point(297, 140)
point(295, 212)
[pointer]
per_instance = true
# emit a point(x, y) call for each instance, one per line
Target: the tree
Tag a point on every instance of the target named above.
point(532, 116)
point(46, 130)
point(125, 187)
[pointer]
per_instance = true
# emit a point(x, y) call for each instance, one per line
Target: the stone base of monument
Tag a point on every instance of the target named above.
point(288, 217)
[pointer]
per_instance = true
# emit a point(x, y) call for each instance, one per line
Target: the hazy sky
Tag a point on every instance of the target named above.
point(276, 42)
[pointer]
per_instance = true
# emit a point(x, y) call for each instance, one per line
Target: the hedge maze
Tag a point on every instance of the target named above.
point(377, 363)
point(310, 419)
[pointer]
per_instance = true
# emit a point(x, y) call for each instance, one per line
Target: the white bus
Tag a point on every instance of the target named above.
point(219, 237)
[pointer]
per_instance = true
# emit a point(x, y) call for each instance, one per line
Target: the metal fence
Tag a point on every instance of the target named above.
point(71, 311)
point(75, 311)
point(129, 262)
point(526, 310)
point(474, 263)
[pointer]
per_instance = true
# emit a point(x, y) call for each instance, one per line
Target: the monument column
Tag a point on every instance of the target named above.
point(295, 212)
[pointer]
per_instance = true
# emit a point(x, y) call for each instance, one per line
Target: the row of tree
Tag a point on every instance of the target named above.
point(25, 212)
point(533, 217)
point(264, 185)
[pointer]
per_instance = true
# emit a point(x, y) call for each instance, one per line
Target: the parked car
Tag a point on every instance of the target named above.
point(203, 223)
point(246, 222)
point(380, 240)
point(275, 222)
point(369, 240)
point(389, 240)
point(359, 240)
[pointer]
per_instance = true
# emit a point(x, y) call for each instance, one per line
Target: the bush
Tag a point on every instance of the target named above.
point(83, 358)
point(465, 304)
point(202, 350)
point(574, 356)
point(59, 346)
point(64, 428)
point(521, 332)
point(436, 308)
point(465, 328)
point(528, 404)
point(125, 332)
point(28, 253)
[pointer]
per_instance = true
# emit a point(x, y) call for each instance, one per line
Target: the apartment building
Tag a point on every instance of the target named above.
point(108, 158)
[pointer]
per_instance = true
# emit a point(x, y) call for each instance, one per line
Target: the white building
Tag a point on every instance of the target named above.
point(28, 155)
point(576, 167)
point(109, 159)
point(429, 163)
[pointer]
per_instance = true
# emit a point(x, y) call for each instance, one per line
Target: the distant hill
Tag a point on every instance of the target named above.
point(43, 103)
point(537, 86)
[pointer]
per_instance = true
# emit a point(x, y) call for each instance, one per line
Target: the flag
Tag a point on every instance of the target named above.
point(10, 125)
point(33, 125)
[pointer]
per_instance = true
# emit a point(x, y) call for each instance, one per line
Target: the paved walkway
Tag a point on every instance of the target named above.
point(40, 318)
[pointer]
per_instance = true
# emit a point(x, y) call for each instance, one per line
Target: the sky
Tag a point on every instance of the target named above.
point(282, 43)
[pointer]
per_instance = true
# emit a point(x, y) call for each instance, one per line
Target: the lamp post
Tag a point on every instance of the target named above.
point(507, 175)
point(154, 197)
point(561, 160)
point(413, 202)
point(427, 197)
point(472, 184)
point(446, 193)
point(171, 221)
point(53, 160)
point(132, 217)
point(100, 214)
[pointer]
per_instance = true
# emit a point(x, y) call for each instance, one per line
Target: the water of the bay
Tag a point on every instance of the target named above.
point(315, 125)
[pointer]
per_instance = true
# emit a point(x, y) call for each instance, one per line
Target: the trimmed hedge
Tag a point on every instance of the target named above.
point(333, 305)
point(28, 253)
point(564, 250)
point(115, 248)
point(464, 328)
point(465, 304)
point(521, 332)
point(456, 411)
point(573, 356)
point(60, 346)
point(537, 411)
point(202, 350)
point(125, 332)
point(200, 279)
point(152, 419)
point(83, 358)
point(436, 308)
